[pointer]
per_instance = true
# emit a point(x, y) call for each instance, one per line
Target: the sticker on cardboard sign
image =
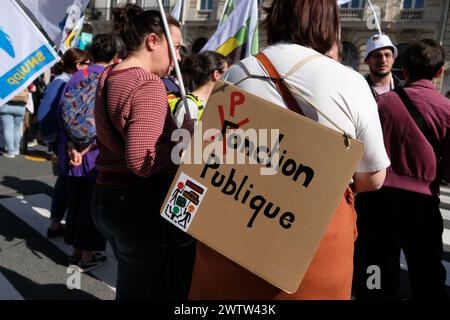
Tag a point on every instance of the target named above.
point(184, 202)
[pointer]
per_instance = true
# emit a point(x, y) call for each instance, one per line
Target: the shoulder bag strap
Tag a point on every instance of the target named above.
point(418, 119)
point(278, 81)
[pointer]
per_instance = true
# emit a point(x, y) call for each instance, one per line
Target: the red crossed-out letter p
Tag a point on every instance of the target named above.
point(237, 98)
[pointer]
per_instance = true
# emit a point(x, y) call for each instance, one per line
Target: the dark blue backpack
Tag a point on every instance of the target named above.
point(77, 110)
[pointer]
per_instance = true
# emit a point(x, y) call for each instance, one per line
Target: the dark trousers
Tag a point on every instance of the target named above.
point(60, 200)
point(155, 259)
point(80, 230)
point(392, 219)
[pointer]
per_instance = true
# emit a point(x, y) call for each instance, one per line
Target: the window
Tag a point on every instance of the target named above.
point(413, 4)
point(350, 55)
point(206, 5)
point(354, 4)
point(138, 2)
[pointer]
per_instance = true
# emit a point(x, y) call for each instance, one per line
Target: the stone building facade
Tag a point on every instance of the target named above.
point(405, 21)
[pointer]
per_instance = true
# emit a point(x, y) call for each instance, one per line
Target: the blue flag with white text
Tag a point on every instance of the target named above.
point(24, 52)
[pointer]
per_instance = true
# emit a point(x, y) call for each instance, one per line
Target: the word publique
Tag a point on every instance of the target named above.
point(239, 147)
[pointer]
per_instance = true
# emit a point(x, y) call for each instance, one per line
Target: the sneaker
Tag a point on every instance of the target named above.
point(33, 143)
point(9, 155)
point(97, 261)
point(56, 233)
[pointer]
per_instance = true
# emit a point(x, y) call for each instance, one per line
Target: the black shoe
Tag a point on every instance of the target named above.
point(75, 261)
point(97, 261)
point(56, 233)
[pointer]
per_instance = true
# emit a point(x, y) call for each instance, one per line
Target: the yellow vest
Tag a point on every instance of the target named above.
point(174, 102)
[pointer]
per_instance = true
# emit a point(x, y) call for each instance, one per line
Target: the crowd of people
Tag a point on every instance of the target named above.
point(111, 187)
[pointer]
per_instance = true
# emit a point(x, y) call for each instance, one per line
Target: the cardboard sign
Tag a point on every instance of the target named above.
point(270, 224)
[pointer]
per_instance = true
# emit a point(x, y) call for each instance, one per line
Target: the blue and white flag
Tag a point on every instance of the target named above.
point(57, 17)
point(24, 51)
point(176, 12)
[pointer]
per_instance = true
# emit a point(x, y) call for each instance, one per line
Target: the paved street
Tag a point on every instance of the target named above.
point(33, 267)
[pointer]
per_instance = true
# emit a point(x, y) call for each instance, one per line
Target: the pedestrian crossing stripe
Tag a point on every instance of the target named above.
point(34, 211)
point(7, 291)
point(445, 199)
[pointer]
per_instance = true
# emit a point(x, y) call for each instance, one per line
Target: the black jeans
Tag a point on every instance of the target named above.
point(80, 230)
point(393, 219)
point(60, 200)
point(155, 259)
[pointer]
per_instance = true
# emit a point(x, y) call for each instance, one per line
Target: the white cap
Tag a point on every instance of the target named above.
point(378, 41)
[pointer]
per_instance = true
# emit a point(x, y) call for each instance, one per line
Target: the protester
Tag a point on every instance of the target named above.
point(56, 70)
point(12, 116)
point(380, 57)
point(28, 120)
point(200, 72)
point(78, 162)
point(31, 123)
point(134, 127)
point(73, 60)
point(298, 29)
point(404, 213)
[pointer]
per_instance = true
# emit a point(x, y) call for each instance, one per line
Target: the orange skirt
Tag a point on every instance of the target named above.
point(329, 276)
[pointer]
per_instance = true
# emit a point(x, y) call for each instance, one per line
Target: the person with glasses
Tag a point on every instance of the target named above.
point(84, 64)
point(78, 163)
point(72, 61)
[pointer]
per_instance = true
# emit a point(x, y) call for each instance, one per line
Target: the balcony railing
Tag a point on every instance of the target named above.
point(104, 14)
point(411, 14)
point(351, 14)
point(203, 14)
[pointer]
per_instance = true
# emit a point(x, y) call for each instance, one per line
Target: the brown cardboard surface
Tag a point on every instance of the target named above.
point(272, 246)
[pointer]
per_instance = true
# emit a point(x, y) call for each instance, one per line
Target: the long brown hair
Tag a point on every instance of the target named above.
point(311, 23)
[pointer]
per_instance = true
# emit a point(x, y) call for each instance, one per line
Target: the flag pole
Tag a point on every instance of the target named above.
point(182, 13)
point(375, 16)
point(174, 57)
point(183, 18)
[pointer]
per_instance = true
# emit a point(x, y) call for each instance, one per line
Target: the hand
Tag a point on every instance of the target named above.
point(75, 157)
